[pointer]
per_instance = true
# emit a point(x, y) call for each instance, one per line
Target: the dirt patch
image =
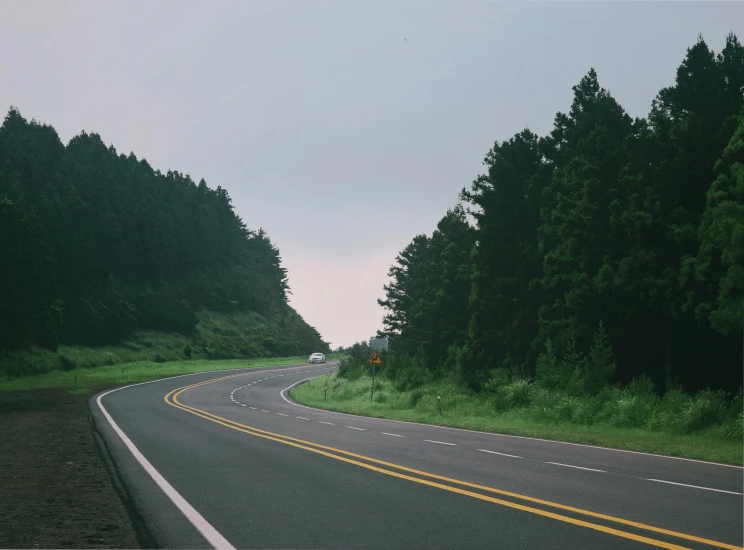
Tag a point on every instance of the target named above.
point(55, 491)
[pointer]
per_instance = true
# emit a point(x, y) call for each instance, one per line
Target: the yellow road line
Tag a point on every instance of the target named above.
point(455, 489)
point(315, 447)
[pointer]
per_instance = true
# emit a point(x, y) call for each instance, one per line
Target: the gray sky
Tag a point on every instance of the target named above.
point(343, 128)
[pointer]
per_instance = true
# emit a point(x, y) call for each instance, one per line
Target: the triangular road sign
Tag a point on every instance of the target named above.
point(375, 359)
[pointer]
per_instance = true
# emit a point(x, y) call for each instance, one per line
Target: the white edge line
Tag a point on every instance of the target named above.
point(495, 453)
point(503, 435)
point(211, 534)
point(577, 467)
point(188, 511)
point(439, 442)
point(694, 486)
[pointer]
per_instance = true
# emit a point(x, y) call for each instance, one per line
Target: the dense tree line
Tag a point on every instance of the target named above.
point(617, 240)
point(95, 245)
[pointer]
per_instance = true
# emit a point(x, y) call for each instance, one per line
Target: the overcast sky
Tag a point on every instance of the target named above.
point(342, 128)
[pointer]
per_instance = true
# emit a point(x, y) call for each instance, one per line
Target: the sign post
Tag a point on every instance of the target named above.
point(374, 360)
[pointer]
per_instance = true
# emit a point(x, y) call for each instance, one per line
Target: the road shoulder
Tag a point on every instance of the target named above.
point(55, 489)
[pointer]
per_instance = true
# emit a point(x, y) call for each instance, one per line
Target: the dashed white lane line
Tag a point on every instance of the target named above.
point(481, 450)
point(232, 394)
point(694, 486)
point(265, 411)
point(495, 453)
point(577, 467)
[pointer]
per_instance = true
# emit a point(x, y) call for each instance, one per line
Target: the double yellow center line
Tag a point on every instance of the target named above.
point(434, 480)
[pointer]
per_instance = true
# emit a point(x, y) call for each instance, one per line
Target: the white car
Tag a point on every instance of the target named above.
point(316, 358)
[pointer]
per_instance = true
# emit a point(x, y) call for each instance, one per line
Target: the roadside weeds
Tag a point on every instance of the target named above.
point(353, 397)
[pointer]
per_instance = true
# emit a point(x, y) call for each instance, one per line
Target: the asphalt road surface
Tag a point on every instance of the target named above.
point(227, 460)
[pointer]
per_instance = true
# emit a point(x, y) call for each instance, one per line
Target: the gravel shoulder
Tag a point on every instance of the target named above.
point(55, 491)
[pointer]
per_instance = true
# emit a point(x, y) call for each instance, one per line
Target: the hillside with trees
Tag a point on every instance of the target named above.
point(97, 247)
point(609, 250)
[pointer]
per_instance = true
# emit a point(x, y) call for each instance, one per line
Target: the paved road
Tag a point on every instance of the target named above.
point(245, 467)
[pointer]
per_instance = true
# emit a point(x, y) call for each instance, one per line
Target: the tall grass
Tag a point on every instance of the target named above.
point(707, 425)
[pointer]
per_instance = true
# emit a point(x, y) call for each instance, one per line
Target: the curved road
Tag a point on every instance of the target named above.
point(227, 460)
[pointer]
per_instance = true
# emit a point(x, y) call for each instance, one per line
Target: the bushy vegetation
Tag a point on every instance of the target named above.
point(97, 247)
point(217, 336)
point(570, 389)
point(707, 425)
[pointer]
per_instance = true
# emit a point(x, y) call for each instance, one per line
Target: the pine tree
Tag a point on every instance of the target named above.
point(720, 261)
point(506, 260)
point(587, 149)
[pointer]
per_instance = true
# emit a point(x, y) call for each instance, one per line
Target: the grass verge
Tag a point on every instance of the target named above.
point(469, 411)
point(218, 336)
point(80, 381)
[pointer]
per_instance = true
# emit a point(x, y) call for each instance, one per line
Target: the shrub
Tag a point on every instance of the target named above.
point(349, 369)
point(703, 410)
point(497, 378)
point(641, 385)
point(734, 428)
point(66, 363)
point(633, 411)
point(586, 409)
point(547, 369)
point(542, 402)
point(466, 362)
point(380, 397)
point(565, 407)
point(517, 393)
point(414, 398)
point(415, 376)
point(667, 413)
point(601, 364)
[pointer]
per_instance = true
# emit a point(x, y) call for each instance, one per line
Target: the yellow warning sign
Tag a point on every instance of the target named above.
point(375, 359)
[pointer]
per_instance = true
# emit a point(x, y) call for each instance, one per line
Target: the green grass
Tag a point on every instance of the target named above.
point(218, 336)
point(80, 391)
point(80, 381)
point(461, 409)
